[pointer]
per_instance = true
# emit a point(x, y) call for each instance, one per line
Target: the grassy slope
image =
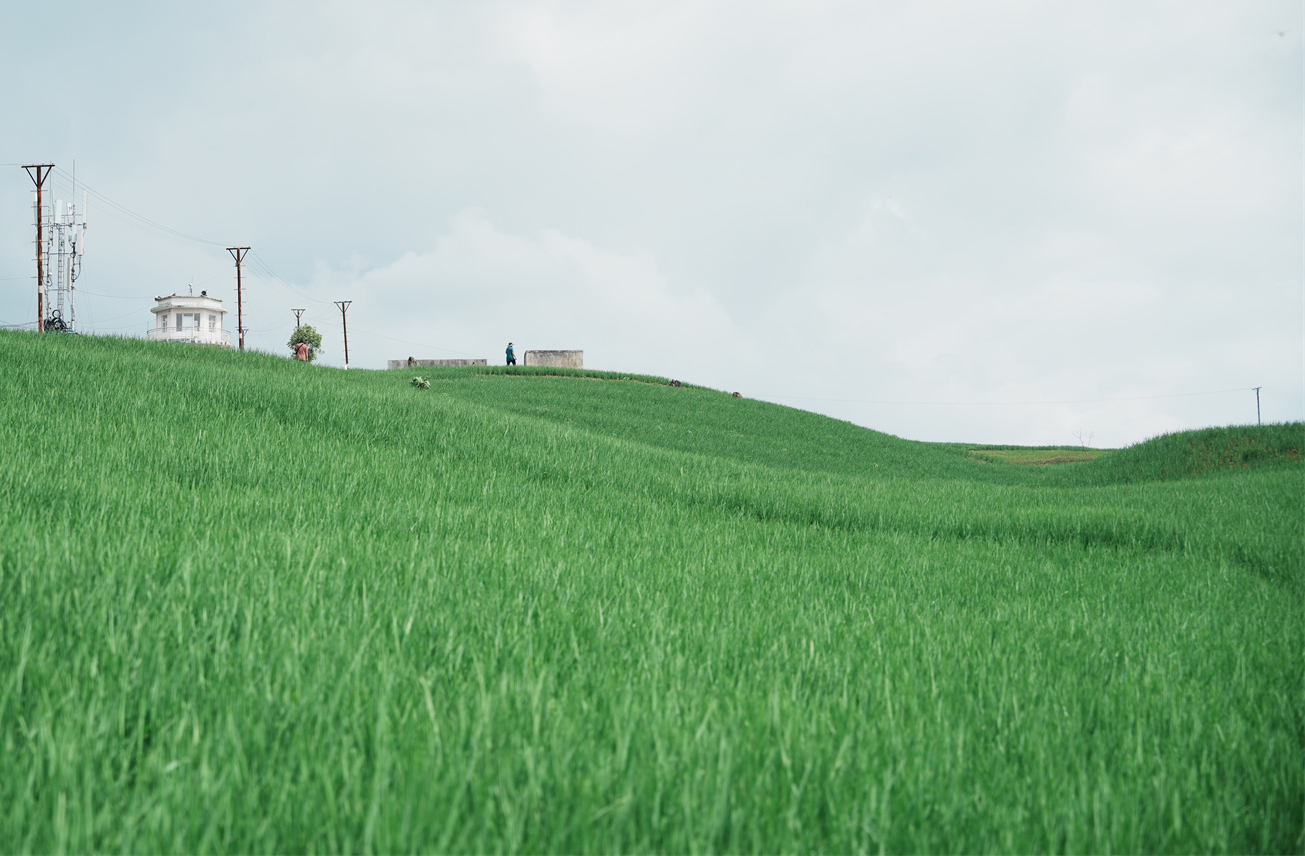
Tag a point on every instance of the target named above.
point(1037, 457)
point(250, 605)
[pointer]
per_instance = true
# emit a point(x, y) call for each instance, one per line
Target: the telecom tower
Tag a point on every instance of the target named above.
point(64, 249)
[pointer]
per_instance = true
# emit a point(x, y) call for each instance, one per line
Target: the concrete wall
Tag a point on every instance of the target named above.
point(554, 359)
point(403, 364)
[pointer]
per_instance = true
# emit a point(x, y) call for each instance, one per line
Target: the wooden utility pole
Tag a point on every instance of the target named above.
point(344, 304)
point(298, 314)
point(238, 253)
point(42, 172)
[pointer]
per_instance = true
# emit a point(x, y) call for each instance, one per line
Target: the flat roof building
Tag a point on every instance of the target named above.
point(196, 319)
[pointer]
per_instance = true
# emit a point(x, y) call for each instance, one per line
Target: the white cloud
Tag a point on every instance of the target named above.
point(873, 202)
point(481, 287)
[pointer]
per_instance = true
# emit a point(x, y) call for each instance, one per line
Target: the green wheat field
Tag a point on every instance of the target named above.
point(250, 606)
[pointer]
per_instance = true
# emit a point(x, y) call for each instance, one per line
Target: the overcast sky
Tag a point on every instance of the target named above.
point(985, 222)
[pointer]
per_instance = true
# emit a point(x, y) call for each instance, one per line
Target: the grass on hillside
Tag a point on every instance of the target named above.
point(249, 605)
point(1037, 457)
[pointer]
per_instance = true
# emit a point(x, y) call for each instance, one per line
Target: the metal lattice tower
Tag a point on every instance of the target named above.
point(67, 246)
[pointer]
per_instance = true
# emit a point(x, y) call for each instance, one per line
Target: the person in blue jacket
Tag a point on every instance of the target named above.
point(511, 357)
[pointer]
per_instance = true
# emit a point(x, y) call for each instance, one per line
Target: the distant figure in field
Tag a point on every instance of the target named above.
point(301, 352)
point(511, 357)
point(411, 362)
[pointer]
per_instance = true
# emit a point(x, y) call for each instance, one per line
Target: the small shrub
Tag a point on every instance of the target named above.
point(308, 336)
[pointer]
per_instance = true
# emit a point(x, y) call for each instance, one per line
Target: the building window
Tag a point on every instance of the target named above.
point(163, 321)
point(212, 323)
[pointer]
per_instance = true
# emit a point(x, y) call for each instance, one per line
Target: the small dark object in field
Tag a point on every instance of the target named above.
point(55, 323)
point(675, 383)
point(737, 394)
point(421, 382)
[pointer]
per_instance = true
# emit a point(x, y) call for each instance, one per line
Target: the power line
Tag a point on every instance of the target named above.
point(287, 291)
point(371, 332)
point(266, 329)
point(135, 312)
point(109, 296)
point(135, 223)
point(105, 200)
point(261, 263)
point(117, 211)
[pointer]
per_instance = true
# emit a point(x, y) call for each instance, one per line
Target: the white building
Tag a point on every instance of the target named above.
point(189, 318)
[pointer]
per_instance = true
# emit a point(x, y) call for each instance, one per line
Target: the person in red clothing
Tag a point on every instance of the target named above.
point(301, 351)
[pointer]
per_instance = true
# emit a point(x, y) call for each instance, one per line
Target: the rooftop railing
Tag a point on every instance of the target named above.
point(194, 337)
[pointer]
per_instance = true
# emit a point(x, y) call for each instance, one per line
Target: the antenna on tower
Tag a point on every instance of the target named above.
point(81, 236)
point(64, 258)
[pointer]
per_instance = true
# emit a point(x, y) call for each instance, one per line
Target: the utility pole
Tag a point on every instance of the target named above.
point(298, 314)
point(1257, 406)
point(238, 253)
point(42, 172)
point(344, 304)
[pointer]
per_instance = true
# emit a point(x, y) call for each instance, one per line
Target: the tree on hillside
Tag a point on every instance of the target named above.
point(309, 337)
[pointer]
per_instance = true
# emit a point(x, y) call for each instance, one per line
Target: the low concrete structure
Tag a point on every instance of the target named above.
point(189, 318)
point(413, 363)
point(554, 359)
